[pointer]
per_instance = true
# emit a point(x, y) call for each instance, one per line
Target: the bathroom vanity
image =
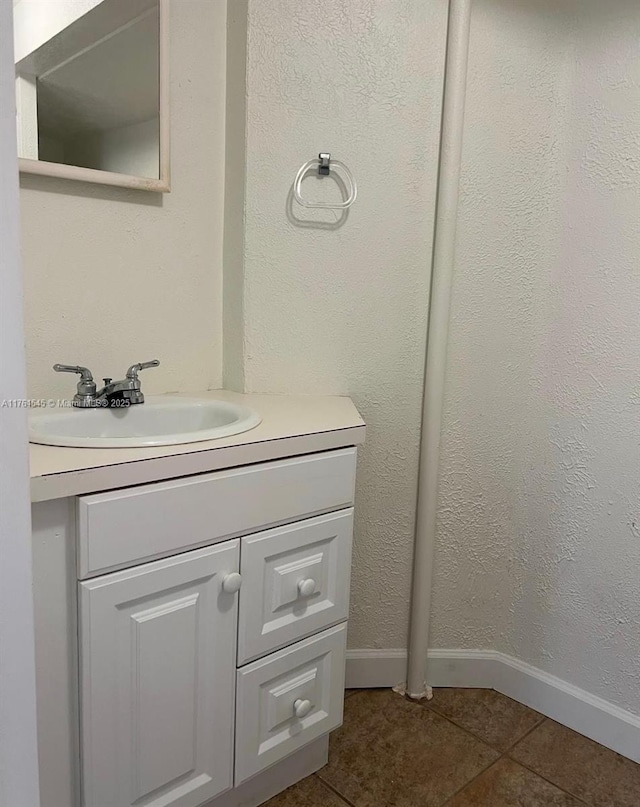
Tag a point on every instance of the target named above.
point(191, 608)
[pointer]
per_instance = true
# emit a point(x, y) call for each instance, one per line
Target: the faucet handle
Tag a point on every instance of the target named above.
point(86, 390)
point(83, 372)
point(132, 372)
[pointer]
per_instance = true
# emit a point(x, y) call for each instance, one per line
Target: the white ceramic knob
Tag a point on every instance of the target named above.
point(302, 707)
point(231, 583)
point(307, 587)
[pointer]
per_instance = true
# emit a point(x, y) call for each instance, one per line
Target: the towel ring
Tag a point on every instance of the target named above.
point(324, 164)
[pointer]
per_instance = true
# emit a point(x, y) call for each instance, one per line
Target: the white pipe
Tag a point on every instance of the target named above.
point(437, 335)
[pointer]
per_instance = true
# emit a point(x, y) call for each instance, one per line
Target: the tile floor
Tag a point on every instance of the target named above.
point(464, 748)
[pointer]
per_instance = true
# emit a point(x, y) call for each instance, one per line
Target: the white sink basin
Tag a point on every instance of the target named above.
point(159, 421)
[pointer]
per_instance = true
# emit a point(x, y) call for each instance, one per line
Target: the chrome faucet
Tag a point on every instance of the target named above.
point(114, 393)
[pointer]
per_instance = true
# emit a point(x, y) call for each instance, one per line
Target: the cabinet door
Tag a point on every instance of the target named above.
point(157, 652)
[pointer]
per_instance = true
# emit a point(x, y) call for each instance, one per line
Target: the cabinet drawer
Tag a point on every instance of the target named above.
point(124, 527)
point(295, 582)
point(307, 678)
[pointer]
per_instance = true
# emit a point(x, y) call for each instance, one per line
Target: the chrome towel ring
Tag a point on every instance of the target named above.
point(324, 164)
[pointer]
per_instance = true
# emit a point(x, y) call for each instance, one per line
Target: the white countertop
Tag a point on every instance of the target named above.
point(291, 425)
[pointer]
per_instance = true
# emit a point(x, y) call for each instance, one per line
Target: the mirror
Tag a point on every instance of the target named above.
point(92, 90)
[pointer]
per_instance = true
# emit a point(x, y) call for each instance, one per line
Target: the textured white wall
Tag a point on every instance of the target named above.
point(115, 276)
point(539, 536)
point(344, 310)
point(234, 195)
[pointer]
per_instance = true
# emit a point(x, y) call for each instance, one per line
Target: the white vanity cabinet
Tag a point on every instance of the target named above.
point(211, 615)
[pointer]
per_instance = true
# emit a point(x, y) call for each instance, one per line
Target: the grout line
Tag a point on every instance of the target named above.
point(473, 779)
point(454, 723)
point(506, 754)
point(333, 789)
point(524, 765)
point(425, 705)
point(522, 737)
point(549, 781)
point(502, 752)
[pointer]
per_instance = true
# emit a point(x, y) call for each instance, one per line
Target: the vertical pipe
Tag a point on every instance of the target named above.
point(437, 335)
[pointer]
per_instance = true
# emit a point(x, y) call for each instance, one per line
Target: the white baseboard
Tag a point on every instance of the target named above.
point(370, 669)
point(587, 714)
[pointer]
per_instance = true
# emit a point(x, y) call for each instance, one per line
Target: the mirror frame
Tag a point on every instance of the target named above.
point(160, 185)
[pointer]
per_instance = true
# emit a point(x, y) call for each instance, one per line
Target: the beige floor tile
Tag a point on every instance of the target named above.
point(492, 717)
point(507, 784)
point(310, 792)
point(394, 753)
point(595, 774)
